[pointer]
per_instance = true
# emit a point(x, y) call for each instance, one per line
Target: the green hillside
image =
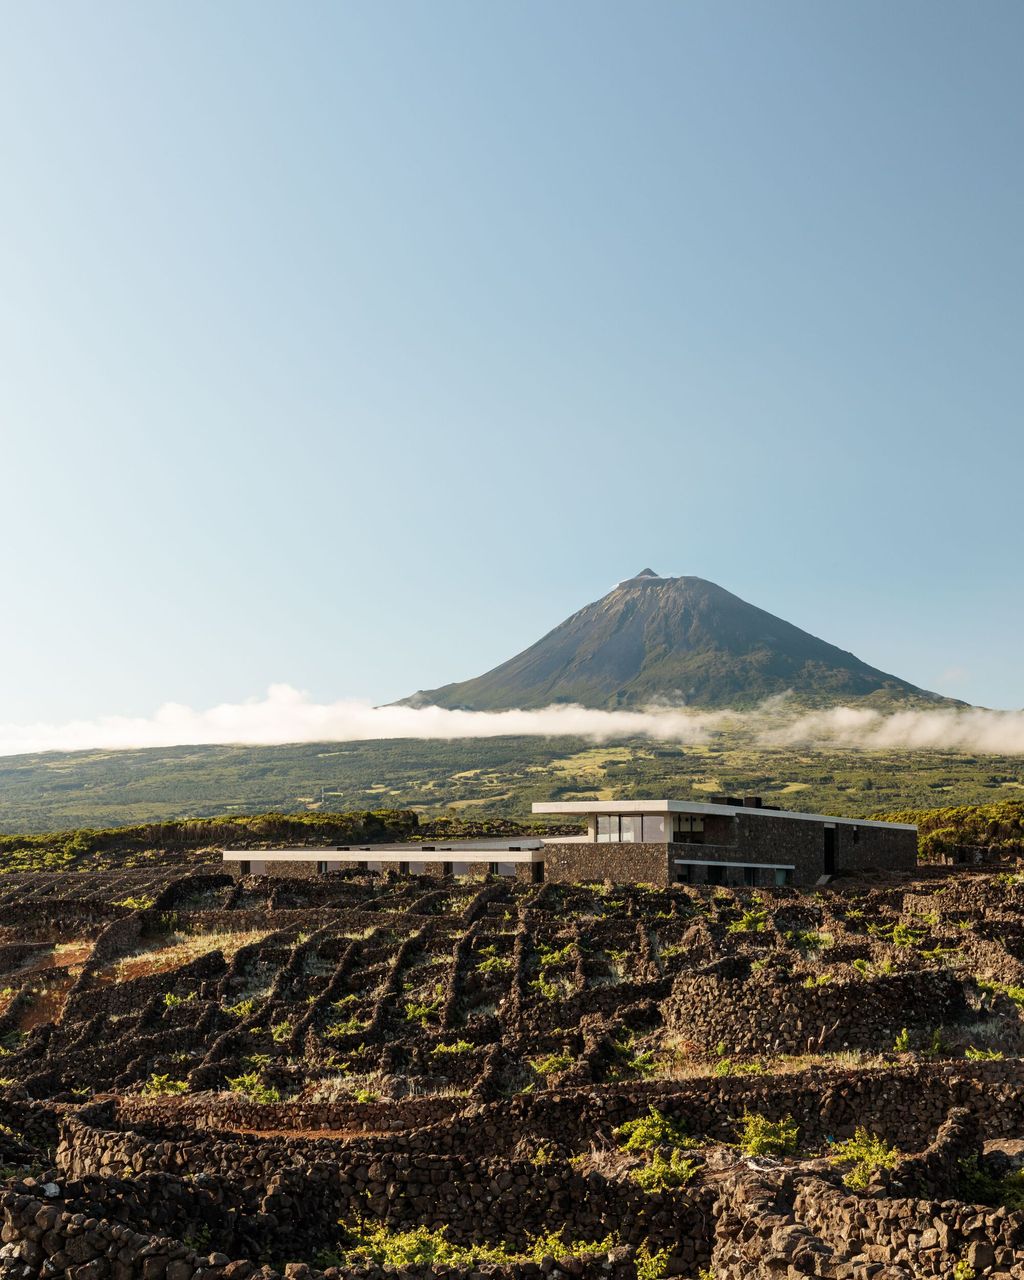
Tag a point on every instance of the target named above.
point(496, 776)
point(999, 825)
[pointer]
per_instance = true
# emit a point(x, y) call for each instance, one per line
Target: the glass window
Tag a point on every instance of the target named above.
point(654, 829)
point(607, 828)
point(782, 876)
point(630, 829)
point(750, 875)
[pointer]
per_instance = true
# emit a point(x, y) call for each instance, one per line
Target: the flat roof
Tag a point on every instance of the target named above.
point(524, 853)
point(468, 851)
point(695, 806)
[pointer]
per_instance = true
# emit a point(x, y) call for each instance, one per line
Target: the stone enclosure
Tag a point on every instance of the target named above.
point(203, 1078)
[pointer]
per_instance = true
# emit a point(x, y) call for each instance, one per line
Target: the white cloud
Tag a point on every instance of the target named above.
point(288, 715)
point(971, 729)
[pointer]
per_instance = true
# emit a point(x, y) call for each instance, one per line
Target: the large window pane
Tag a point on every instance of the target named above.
point(630, 829)
point(654, 829)
point(607, 828)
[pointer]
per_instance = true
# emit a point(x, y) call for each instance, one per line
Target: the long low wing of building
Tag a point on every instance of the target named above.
point(725, 841)
point(520, 857)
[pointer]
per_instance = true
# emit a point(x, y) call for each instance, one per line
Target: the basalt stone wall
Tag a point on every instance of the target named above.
point(42, 1239)
point(215, 1112)
point(623, 863)
point(312, 1186)
point(753, 837)
point(774, 1012)
point(925, 1238)
point(511, 1202)
point(936, 1172)
point(131, 996)
point(907, 1106)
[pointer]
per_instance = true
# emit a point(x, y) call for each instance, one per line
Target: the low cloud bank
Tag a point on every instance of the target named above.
point(287, 715)
point(973, 729)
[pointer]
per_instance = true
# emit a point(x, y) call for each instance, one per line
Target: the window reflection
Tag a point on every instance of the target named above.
point(629, 829)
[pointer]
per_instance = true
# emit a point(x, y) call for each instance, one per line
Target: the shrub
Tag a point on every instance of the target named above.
point(253, 1088)
point(547, 989)
point(981, 1187)
point(172, 1001)
point(653, 1131)
point(554, 955)
point(551, 1064)
point(421, 1011)
point(662, 1172)
point(344, 1027)
point(902, 1042)
point(754, 920)
point(459, 1046)
point(763, 1137)
point(421, 1247)
point(1016, 994)
point(630, 1059)
point(982, 1055)
point(650, 1266)
point(242, 1009)
point(163, 1086)
point(867, 1153)
point(809, 940)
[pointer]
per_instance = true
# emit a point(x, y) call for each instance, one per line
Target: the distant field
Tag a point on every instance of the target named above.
point(499, 775)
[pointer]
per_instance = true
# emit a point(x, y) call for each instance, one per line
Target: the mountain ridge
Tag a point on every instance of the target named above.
point(681, 641)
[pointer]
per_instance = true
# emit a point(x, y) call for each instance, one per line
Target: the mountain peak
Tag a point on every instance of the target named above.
point(690, 642)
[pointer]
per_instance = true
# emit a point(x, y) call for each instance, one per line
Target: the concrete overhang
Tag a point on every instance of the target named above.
point(660, 807)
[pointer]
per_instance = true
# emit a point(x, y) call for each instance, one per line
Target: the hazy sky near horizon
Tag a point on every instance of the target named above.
point(353, 346)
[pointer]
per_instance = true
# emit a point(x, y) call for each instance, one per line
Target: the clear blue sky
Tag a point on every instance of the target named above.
point(355, 345)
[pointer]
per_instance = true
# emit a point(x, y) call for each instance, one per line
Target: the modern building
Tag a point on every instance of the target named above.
point(517, 857)
point(727, 841)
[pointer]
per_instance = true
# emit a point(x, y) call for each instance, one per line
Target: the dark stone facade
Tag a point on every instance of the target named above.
point(767, 839)
point(623, 863)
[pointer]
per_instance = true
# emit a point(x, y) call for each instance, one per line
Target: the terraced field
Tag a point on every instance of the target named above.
point(206, 1080)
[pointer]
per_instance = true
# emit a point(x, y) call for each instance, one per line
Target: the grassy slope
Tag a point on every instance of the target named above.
point(1000, 824)
point(498, 776)
point(199, 840)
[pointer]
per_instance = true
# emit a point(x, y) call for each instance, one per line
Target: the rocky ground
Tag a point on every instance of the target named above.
point(203, 1079)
